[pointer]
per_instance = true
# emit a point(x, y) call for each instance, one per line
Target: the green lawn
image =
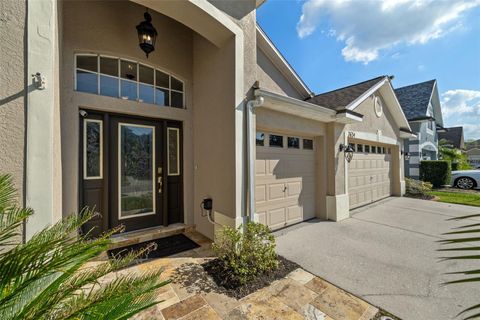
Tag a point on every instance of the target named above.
point(470, 199)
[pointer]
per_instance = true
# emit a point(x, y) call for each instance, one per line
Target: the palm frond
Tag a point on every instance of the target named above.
point(465, 242)
point(51, 276)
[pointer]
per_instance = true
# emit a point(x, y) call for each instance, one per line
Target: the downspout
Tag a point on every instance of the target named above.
point(251, 105)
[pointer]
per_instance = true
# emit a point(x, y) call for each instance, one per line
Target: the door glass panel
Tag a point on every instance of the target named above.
point(92, 154)
point(173, 152)
point(136, 170)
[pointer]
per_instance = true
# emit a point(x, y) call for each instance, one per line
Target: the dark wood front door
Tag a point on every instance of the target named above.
point(137, 167)
point(131, 170)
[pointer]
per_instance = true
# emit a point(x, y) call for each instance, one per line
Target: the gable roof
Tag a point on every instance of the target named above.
point(415, 98)
point(271, 51)
point(340, 99)
point(453, 135)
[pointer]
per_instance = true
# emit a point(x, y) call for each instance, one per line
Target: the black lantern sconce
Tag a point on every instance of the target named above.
point(348, 149)
point(407, 156)
point(147, 34)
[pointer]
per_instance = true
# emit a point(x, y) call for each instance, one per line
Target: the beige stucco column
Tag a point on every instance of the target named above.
point(337, 197)
point(43, 186)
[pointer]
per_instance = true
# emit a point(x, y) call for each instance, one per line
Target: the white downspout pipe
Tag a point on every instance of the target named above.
point(251, 105)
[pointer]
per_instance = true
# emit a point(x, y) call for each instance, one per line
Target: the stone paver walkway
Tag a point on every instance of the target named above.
point(193, 295)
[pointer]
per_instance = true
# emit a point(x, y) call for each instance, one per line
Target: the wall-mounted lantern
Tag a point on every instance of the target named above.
point(147, 34)
point(348, 150)
point(407, 156)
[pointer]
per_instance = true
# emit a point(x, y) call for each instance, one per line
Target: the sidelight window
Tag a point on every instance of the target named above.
point(173, 150)
point(92, 149)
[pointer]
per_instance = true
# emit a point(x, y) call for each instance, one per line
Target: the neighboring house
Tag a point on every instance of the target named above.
point(453, 137)
point(421, 104)
point(146, 140)
point(474, 157)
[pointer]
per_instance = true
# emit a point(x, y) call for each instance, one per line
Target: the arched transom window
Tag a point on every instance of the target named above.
point(128, 80)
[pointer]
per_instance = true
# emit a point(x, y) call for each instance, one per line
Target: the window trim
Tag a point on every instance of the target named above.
point(178, 151)
point(119, 172)
point(137, 81)
point(85, 177)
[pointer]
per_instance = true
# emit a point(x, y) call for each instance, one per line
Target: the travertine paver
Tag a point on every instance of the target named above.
point(300, 295)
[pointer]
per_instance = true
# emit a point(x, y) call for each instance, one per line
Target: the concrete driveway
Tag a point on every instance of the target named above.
point(386, 254)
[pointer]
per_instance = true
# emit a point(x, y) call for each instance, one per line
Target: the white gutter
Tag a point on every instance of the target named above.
point(251, 105)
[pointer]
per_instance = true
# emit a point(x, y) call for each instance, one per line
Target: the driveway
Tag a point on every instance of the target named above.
point(386, 254)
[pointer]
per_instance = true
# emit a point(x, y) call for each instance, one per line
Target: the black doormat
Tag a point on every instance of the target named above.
point(164, 247)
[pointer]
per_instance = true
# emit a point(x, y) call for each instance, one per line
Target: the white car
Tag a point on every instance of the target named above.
point(466, 179)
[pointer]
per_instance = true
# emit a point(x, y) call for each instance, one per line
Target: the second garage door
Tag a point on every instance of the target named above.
point(284, 180)
point(369, 174)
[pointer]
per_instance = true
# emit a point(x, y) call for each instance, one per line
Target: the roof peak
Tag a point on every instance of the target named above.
point(352, 85)
point(417, 84)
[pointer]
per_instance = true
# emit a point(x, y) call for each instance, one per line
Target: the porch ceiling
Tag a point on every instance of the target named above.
point(198, 15)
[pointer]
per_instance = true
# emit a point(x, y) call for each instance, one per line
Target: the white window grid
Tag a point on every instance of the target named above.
point(137, 81)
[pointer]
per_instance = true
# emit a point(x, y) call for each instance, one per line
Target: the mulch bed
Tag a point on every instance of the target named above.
point(420, 196)
point(214, 269)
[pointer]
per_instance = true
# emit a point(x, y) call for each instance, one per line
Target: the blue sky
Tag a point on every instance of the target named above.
point(336, 43)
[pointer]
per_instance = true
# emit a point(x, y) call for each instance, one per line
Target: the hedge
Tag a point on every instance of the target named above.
point(437, 172)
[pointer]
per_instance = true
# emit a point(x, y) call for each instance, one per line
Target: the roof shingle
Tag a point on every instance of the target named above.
point(454, 136)
point(339, 99)
point(414, 98)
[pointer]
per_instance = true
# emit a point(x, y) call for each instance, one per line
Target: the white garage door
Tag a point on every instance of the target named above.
point(369, 174)
point(284, 180)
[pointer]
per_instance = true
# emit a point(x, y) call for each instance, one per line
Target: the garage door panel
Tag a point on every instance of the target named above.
point(276, 218)
point(285, 185)
point(276, 191)
point(260, 167)
point(369, 178)
point(294, 213)
point(294, 188)
point(260, 193)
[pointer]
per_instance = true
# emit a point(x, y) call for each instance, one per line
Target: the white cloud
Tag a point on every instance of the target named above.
point(461, 107)
point(369, 26)
point(460, 101)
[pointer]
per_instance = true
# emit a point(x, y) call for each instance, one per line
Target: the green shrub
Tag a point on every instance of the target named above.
point(454, 166)
point(417, 188)
point(245, 255)
point(437, 172)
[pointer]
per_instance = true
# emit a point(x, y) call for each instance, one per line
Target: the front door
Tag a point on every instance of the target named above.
point(137, 167)
point(131, 171)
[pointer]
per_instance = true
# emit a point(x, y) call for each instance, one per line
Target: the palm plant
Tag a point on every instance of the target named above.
point(52, 275)
point(468, 243)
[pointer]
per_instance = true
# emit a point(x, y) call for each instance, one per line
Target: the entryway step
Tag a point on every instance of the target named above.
point(133, 237)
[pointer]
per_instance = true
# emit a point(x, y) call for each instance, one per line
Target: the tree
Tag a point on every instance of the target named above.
point(454, 156)
point(52, 276)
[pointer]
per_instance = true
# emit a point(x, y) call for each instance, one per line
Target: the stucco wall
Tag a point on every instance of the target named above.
point(12, 91)
point(109, 28)
point(272, 79)
point(371, 123)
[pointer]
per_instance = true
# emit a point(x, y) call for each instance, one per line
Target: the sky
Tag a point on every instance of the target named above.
point(335, 43)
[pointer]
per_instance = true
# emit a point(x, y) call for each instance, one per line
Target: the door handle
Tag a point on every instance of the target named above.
point(160, 180)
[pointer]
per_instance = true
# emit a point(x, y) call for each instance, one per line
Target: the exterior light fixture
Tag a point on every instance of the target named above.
point(407, 156)
point(348, 149)
point(147, 34)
